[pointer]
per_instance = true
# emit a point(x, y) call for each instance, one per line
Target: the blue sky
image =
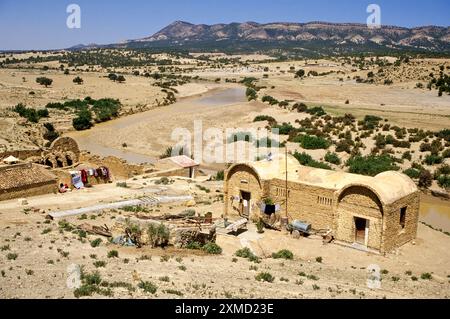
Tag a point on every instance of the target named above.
point(33, 24)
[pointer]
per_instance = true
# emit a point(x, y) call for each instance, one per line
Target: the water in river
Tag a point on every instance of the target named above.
point(435, 212)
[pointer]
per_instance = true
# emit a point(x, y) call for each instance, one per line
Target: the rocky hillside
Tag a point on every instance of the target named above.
point(431, 38)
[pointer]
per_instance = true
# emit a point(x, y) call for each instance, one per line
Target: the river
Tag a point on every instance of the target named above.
point(216, 98)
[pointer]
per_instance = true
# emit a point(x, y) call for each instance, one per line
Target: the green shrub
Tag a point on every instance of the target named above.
point(283, 254)
point(251, 94)
point(332, 158)
point(300, 107)
point(12, 256)
point(96, 242)
point(99, 263)
point(343, 146)
point(92, 279)
point(265, 276)
point(412, 173)
point(446, 153)
point(444, 181)
point(212, 248)
point(113, 254)
point(220, 176)
point(164, 278)
point(318, 111)
point(148, 287)
point(260, 226)
point(311, 142)
point(426, 276)
point(284, 129)
point(261, 118)
point(312, 277)
point(307, 160)
point(371, 165)
point(433, 159)
point(270, 99)
point(158, 235)
point(91, 285)
point(370, 122)
point(247, 254)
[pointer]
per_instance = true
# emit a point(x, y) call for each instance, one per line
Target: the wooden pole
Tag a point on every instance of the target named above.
point(286, 167)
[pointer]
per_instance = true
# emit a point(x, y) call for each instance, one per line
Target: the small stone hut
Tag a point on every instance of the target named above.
point(24, 180)
point(380, 213)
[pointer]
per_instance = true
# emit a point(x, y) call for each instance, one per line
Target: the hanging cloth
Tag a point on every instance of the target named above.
point(84, 176)
point(76, 181)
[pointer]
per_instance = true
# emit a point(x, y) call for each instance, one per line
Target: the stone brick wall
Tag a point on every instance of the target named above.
point(393, 234)
point(30, 190)
point(66, 145)
point(306, 203)
point(242, 178)
point(361, 202)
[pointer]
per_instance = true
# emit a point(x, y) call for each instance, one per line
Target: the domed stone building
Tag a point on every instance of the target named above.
point(379, 213)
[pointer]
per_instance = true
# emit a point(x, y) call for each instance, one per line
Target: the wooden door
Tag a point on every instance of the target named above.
point(360, 230)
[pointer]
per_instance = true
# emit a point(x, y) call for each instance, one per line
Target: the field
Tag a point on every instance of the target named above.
point(341, 113)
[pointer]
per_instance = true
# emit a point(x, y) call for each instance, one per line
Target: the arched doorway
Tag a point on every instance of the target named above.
point(69, 160)
point(360, 216)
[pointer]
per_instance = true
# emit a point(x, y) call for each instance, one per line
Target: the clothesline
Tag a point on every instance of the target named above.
point(264, 208)
point(81, 177)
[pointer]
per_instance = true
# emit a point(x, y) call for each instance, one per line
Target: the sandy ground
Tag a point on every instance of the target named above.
point(40, 269)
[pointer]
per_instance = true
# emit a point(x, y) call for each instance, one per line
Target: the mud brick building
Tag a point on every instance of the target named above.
point(24, 180)
point(379, 213)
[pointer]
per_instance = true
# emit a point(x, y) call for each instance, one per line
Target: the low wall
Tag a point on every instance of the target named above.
point(29, 191)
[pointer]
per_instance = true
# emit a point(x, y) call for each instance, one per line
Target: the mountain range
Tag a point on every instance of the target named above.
point(312, 36)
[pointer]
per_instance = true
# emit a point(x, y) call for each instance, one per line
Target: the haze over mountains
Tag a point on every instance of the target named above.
point(347, 36)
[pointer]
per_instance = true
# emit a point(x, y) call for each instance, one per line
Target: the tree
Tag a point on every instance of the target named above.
point(112, 77)
point(66, 72)
point(300, 73)
point(50, 135)
point(121, 79)
point(83, 121)
point(78, 80)
point(44, 81)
